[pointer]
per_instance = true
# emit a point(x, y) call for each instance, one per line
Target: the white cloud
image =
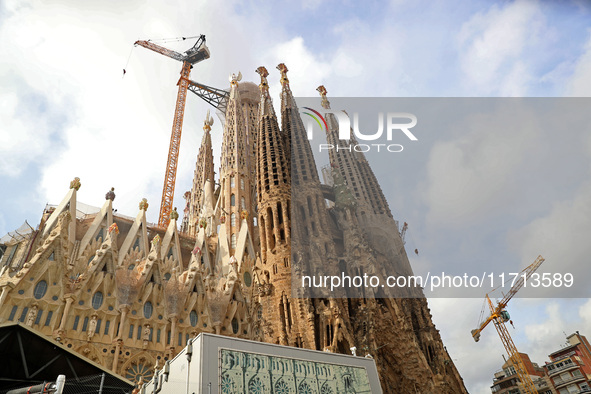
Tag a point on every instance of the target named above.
point(491, 44)
point(580, 80)
point(561, 236)
point(470, 176)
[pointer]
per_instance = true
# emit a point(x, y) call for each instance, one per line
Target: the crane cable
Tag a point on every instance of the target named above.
point(481, 317)
point(128, 58)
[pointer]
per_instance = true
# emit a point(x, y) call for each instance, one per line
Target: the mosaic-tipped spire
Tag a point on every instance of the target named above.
point(234, 79)
point(322, 90)
point(283, 68)
point(204, 171)
point(266, 104)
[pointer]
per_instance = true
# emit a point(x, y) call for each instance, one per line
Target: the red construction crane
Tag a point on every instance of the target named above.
point(195, 54)
point(500, 316)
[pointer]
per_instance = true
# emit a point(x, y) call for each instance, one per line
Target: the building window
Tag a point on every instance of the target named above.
point(139, 332)
point(97, 300)
point(242, 183)
point(12, 313)
point(23, 315)
point(98, 326)
point(233, 200)
point(38, 318)
point(243, 203)
point(167, 276)
point(85, 324)
point(233, 241)
point(48, 319)
point(76, 320)
point(180, 339)
point(40, 289)
point(233, 220)
point(107, 324)
point(158, 336)
point(168, 338)
point(131, 331)
point(235, 326)
point(232, 181)
point(193, 317)
point(148, 309)
point(99, 235)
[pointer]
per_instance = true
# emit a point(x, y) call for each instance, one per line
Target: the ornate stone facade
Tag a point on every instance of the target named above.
point(129, 295)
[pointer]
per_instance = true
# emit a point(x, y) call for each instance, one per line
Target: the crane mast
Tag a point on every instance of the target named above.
point(197, 53)
point(499, 316)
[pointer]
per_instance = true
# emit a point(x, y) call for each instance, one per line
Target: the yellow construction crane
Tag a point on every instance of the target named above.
point(195, 54)
point(500, 316)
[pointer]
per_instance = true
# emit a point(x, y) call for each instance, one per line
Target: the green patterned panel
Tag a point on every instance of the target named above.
point(251, 373)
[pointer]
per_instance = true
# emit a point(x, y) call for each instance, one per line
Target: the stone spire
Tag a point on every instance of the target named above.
point(274, 199)
point(203, 172)
point(353, 166)
point(235, 171)
point(273, 169)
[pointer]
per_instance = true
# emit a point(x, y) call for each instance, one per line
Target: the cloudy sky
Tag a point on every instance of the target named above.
point(66, 110)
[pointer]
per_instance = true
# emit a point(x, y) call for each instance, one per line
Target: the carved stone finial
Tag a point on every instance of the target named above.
point(283, 68)
point(234, 79)
point(322, 90)
point(113, 228)
point(156, 240)
point(244, 214)
point(208, 122)
point(110, 194)
point(75, 184)
point(144, 204)
point(262, 71)
point(174, 215)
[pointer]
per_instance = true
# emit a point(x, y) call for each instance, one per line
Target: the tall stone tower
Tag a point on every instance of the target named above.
point(236, 168)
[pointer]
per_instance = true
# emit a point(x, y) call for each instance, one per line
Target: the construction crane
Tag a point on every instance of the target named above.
point(500, 316)
point(194, 55)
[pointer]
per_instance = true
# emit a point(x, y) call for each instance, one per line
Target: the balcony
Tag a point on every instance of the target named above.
point(562, 368)
point(559, 382)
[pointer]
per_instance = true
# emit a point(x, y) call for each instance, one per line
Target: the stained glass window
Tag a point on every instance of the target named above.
point(40, 289)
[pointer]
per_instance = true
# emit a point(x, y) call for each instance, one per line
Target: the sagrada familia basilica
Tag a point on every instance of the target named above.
point(129, 295)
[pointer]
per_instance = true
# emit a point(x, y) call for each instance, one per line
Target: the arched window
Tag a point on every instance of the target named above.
point(242, 183)
point(40, 289)
point(233, 241)
point(232, 181)
point(148, 309)
point(235, 326)
point(243, 203)
point(233, 200)
point(193, 317)
point(233, 220)
point(97, 300)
